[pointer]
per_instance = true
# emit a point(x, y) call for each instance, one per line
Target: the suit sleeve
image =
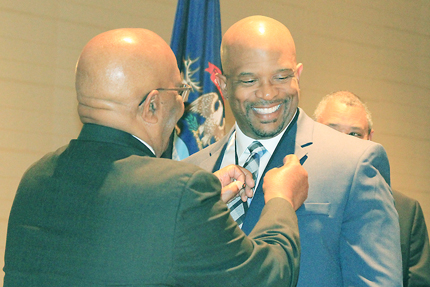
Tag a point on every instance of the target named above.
point(419, 252)
point(210, 249)
point(370, 239)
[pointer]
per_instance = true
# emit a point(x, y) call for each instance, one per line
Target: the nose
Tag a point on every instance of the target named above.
point(266, 90)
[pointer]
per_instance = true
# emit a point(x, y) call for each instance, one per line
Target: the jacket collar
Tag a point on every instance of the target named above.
point(99, 133)
point(304, 134)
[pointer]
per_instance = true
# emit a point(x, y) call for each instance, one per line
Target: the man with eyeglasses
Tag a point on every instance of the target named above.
point(349, 229)
point(105, 210)
point(346, 113)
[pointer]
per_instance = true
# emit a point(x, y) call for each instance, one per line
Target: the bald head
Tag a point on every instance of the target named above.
point(256, 32)
point(115, 71)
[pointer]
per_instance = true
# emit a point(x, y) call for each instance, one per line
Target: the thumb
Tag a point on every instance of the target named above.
point(231, 190)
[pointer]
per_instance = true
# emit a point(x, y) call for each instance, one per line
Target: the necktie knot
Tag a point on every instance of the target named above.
point(256, 148)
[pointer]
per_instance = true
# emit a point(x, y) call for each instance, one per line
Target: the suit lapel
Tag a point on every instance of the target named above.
point(215, 154)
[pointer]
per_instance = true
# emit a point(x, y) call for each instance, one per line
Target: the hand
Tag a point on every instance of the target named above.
point(235, 180)
point(289, 182)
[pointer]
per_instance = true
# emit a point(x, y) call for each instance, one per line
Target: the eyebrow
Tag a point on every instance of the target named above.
point(285, 70)
point(352, 128)
point(247, 74)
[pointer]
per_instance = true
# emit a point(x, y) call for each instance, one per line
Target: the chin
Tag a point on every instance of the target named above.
point(267, 130)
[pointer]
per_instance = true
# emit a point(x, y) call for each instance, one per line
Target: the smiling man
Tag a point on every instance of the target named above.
point(255, 72)
point(349, 228)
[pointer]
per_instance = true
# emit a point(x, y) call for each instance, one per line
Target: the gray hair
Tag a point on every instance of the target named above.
point(345, 97)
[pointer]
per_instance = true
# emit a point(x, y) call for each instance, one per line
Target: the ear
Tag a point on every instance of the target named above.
point(371, 134)
point(150, 107)
point(299, 69)
point(222, 83)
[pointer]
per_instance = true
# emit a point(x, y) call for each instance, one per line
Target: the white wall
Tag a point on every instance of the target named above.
point(377, 49)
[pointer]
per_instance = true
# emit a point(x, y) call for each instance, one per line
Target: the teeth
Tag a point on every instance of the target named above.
point(266, 111)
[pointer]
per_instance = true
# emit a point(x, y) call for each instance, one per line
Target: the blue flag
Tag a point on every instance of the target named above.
point(196, 42)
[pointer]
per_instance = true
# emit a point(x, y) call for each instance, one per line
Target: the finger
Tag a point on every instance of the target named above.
point(238, 173)
point(246, 193)
point(233, 172)
point(229, 174)
point(249, 181)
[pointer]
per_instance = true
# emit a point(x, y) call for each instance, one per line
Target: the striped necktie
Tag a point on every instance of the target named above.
point(237, 207)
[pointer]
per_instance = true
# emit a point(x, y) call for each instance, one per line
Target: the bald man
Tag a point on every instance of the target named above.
point(105, 210)
point(346, 113)
point(349, 230)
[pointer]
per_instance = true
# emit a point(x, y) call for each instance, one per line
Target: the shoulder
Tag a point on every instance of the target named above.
point(163, 179)
point(46, 164)
point(341, 147)
point(406, 205)
point(343, 153)
point(165, 168)
point(403, 198)
point(320, 136)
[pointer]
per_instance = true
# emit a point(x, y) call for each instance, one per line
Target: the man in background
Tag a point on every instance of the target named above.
point(105, 210)
point(345, 112)
point(349, 229)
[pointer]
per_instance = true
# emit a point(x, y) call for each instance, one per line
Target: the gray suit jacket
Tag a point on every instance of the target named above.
point(103, 211)
point(349, 229)
point(414, 240)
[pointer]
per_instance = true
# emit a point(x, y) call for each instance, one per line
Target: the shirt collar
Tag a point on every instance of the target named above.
point(147, 145)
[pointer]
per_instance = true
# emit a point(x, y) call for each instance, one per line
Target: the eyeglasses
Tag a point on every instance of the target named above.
point(183, 91)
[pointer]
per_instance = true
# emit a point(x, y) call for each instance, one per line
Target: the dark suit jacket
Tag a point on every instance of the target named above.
point(414, 240)
point(349, 229)
point(103, 211)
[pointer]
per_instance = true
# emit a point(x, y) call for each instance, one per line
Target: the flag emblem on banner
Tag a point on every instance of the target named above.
point(196, 41)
